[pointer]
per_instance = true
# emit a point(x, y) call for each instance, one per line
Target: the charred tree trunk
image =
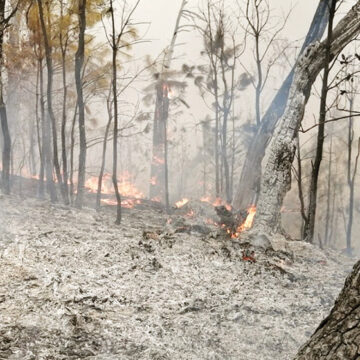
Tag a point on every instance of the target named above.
point(250, 178)
point(79, 63)
point(309, 226)
point(277, 177)
point(338, 335)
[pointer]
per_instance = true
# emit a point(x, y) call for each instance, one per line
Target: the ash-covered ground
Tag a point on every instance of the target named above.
point(75, 286)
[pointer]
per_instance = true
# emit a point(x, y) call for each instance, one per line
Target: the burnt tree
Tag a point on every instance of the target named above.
point(338, 335)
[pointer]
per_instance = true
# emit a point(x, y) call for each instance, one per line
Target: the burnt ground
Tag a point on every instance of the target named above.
point(75, 286)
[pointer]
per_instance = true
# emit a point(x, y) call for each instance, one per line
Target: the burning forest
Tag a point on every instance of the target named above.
point(179, 179)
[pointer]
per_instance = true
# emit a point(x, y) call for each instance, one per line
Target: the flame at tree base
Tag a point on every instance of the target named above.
point(246, 225)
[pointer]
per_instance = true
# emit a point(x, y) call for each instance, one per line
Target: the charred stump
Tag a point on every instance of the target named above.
point(338, 335)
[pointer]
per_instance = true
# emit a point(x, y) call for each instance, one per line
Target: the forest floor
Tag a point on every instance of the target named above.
point(75, 286)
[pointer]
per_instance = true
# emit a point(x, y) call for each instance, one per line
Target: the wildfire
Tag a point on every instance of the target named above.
point(217, 202)
point(126, 188)
point(247, 224)
point(181, 203)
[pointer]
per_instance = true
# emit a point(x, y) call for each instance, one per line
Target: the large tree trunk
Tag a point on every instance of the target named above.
point(79, 63)
point(277, 177)
point(250, 178)
point(338, 335)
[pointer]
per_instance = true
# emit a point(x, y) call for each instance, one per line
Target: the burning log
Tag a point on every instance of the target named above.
point(227, 218)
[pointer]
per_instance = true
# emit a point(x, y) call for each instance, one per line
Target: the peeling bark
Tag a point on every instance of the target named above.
point(338, 335)
point(277, 176)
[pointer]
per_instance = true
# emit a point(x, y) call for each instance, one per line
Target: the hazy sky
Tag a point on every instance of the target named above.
point(161, 14)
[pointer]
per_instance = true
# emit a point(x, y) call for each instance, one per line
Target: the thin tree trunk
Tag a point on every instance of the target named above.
point(46, 142)
point(116, 120)
point(328, 196)
point(159, 187)
point(299, 182)
point(250, 177)
point(63, 45)
point(50, 73)
point(309, 226)
point(38, 131)
point(79, 63)
point(6, 151)
point(277, 177)
point(72, 151)
point(337, 337)
point(351, 184)
point(103, 157)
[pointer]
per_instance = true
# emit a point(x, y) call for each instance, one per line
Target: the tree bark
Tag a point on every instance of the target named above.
point(79, 63)
point(250, 178)
point(277, 177)
point(338, 335)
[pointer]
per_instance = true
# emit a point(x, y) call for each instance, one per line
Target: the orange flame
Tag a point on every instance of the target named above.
point(181, 203)
point(248, 223)
point(126, 189)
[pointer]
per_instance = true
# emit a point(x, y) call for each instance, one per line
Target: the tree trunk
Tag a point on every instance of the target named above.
point(277, 177)
point(250, 178)
point(79, 63)
point(50, 72)
point(309, 226)
point(157, 184)
point(6, 152)
point(64, 45)
point(328, 195)
point(116, 115)
point(103, 157)
point(46, 144)
point(338, 335)
point(159, 187)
